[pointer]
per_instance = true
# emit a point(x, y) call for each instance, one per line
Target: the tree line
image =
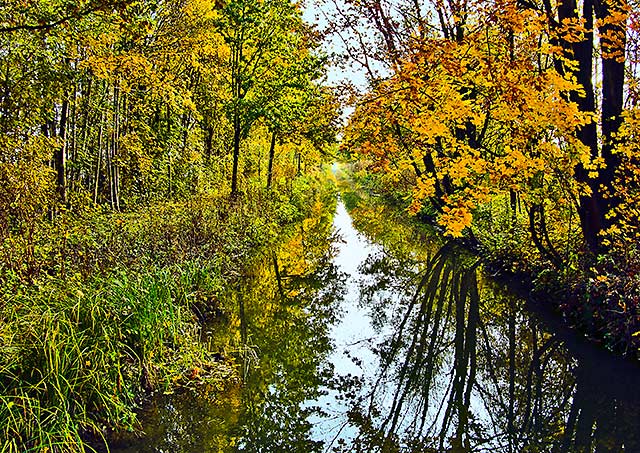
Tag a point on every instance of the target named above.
point(120, 103)
point(476, 105)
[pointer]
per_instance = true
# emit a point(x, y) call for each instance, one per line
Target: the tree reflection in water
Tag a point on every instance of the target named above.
point(467, 368)
point(277, 323)
point(285, 308)
point(458, 364)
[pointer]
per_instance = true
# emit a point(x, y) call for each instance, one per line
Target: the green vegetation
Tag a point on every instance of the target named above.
point(148, 152)
point(513, 126)
point(77, 357)
point(120, 314)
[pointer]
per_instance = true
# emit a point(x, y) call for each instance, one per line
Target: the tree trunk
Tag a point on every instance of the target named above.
point(590, 208)
point(272, 152)
point(236, 154)
point(61, 154)
point(96, 182)
point(170, 163)
point(594, 207)
point(613, 77)
point(208, 143)
point(72, 148)
point(115, 183)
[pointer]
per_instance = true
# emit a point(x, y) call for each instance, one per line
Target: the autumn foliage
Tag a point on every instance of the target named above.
point(491, 106)
point(516, 124)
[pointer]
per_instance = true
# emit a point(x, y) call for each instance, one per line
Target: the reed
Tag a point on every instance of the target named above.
point(107, 309)
point(73, 360)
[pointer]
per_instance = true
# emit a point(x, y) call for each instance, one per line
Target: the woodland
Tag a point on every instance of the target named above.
point(150, 151)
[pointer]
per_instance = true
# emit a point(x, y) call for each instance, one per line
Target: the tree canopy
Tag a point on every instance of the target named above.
point(119, 103)
point(488, 100)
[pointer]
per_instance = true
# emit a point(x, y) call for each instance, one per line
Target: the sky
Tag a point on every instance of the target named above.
point(316, 12)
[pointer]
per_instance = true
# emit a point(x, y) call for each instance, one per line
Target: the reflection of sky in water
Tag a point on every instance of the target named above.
point(352, 334)
point(188, 424)
point(354, 337)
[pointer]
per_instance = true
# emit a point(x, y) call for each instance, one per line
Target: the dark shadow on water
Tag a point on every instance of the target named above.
point(468, 368)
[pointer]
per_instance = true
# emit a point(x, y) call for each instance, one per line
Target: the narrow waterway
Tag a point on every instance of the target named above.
point(365, 333)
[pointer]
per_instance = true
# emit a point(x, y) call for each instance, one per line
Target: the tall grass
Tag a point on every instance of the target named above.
point(73, 360)
point(96, 311)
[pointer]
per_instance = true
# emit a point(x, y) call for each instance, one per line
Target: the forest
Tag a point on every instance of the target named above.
point(156, 156)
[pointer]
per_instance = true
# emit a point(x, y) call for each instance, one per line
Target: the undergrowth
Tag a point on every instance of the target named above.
point(99, 309)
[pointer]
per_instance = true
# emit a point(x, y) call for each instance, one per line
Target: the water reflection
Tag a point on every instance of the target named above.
point(387, 340)
point(277, 330)
point(468, 368)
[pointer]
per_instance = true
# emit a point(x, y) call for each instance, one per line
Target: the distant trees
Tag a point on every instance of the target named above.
point(302, 113)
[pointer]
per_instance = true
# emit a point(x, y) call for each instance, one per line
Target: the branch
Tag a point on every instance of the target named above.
point(78, 14)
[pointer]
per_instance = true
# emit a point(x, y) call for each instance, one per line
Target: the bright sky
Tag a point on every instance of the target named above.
point(315, 12)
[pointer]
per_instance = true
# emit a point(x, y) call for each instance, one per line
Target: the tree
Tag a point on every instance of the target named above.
point(136, 101)
point(305, 112)
point(499, 101)
point(43, 16)
point(574, 31)
point(269, 53)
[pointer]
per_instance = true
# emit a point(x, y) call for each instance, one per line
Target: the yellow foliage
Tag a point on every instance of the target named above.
point(478, 118)
point(456, 218)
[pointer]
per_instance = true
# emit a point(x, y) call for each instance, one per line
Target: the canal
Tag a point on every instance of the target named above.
point(367, 333)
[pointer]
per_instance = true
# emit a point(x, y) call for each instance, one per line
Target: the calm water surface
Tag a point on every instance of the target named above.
point(365, 334)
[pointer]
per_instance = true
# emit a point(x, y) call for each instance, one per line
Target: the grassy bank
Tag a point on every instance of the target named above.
point(100, 309)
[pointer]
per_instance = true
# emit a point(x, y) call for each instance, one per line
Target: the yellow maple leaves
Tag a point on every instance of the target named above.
point(625, 228)
point(424, 188)
point(455, 219)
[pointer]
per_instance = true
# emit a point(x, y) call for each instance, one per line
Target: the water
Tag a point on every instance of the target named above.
point(379, 338)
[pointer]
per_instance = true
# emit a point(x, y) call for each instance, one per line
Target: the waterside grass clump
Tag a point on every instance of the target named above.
point(76, 358)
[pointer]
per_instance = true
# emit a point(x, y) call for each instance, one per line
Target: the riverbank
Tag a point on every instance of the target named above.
point(376, 337)
point(599, 297)
point(275, 329)
point(99, 310)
